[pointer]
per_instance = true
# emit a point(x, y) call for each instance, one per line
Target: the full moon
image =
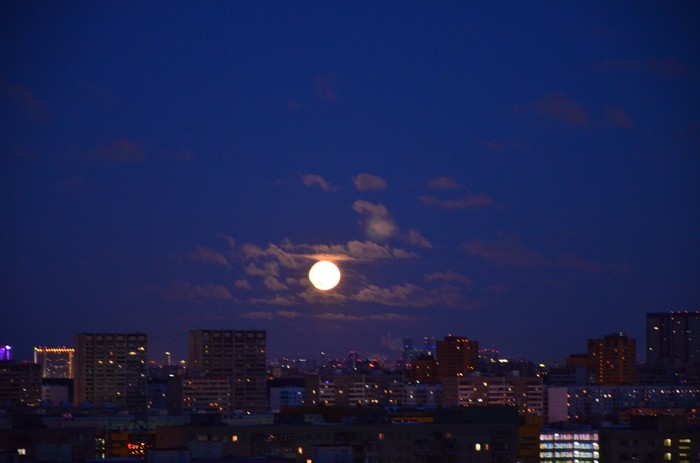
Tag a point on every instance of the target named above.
point(324, 275)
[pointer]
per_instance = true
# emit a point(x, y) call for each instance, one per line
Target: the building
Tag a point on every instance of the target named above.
point(238, 355)
point(613, 359)
point(651, 439)
point(569, 445)
point(5, 352)
point(353, 390)
point(20, 384)
point(56, 362)
point(527, 394)
point(111, 368)
point(423, 370)
point(206, 394)
point(457, 356)
point(673, 339)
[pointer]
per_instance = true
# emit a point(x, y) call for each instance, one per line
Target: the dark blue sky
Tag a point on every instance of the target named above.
point(524, 175)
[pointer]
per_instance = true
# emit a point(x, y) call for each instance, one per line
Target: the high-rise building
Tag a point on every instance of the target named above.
point(238, 355)
point(457, 356)
point(673, 339)
point(111, 368)
point(613, 359)
point(429, 345)
point(56, 362)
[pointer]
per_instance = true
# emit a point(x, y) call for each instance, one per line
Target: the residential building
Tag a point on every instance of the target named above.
point(56, 362)
point(111, 368)
point(238, 355)
point(673, 339)
point(613, 359)
point(457, 356)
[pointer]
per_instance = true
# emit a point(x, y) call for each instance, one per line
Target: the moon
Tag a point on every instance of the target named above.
point(324, 275)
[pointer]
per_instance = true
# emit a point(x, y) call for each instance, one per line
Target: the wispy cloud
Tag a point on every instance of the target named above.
point(375, 218)
point(183, 291)
point(450, 276)
point(243, 284)
point(364, 182)
point(411, 295)
point(273, 284)
point(316, 180)
point(512, 252)
point(120, 150)
point(443, 183)
point(615, 116)
point(325, 87)
point(202, 254)
point(468, 201)
point(561, 107)
point(417, 239)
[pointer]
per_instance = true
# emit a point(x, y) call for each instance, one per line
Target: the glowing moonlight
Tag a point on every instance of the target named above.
point(324, 275)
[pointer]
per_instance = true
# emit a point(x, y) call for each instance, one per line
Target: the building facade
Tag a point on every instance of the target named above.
point(238, 355)
point(673, 339)
point(56, 362)
point(111, 368)
point(457, 356)
point(613, 359)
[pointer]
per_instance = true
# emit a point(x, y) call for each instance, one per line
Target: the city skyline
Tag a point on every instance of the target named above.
point(525, 176)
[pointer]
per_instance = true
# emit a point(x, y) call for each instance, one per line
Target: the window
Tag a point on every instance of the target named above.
point(667, 443)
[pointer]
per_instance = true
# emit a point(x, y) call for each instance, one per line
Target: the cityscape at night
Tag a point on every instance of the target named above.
point(318, 232)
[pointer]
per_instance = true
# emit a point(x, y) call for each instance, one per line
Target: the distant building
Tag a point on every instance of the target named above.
point(5, 352)
point(613, 359)
point(353, 390)
point(525, 393)
point(111, 368)
point(206, 394)
point(423, 370)
point(56, 362)
point(429, 345)
point(673, 339)
point(457, 356)
point(569, 445)
point(20, 384)
point(238, 355)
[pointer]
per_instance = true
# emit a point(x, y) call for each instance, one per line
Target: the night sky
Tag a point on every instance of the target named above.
point(523, 174)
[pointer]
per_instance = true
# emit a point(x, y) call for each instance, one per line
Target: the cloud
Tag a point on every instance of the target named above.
point(315, 297)
point(352, 251)
point(268, 315)
point(325, 87)
point(376, 220)
point(404, 295)
point(468, 201)
point(203, 254)
point(21, 96)
point(509, 252)
point(268, 269)
point(273, 284)
point(615, 116)
point(500, 146)
point(365, 182)
point(391, 342)
point(659, 68)
point(311, 180)
point(242, 284)
point(415, 238)
point(120, 150)
point(443, 183)
point(512, 252)
point(277, 300)
point(183, 291)
point(563, 108)
point(336, 316)
point(449, 276)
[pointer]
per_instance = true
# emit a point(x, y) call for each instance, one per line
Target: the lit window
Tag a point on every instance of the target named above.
point(300, 450)
point(22, 451)
point(234, 438)
point(667, 457)
point(667, 442)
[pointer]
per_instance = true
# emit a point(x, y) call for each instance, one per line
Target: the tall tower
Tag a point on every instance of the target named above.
point(673, 339)
point(111, 368)
point(457, 356)
point(238, 355)
point(613, 359)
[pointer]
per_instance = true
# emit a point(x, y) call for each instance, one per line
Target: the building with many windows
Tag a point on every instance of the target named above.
point(111, 368)
point(673, 339)
point(56, 362)
point(456, 356)
point(559, 446)
point(613, 359)
point(238, 355)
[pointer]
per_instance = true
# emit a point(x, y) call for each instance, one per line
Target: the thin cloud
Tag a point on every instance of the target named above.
point(121, 150)
point(468, 201)
point(404, 295)
point(243, 284)
point(325, 88)
point(450, 276)
point(316, 180)
point(365, 182)
point(615, 116)
point(203, 254)
point(183, 291)
point(273, 284)
point(560, 107)
point(444, 183)
point(512, 252)
point(376, 219)
point(414, 237)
